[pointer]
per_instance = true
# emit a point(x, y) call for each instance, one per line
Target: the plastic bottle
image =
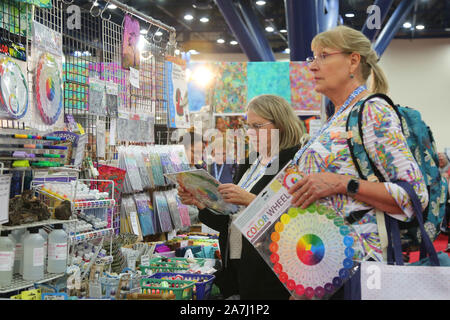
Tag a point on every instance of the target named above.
point(33, 256)
point(57, 250)
point(44, 235)
point(25, 233)
point(18, 256)
point(7, 248)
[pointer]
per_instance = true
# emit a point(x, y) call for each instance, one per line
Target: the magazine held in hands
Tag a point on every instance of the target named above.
point(205, 189)
point(312, 251)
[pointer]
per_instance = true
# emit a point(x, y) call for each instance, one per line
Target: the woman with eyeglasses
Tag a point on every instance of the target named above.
point(276, 134)
point(342, 64)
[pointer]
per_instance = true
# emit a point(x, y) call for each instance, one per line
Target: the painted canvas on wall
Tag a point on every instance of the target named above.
point(230, 89)
point(304, 99)
point(130, 51)
point(268, 78)
point(233, 84)
point(177, 95)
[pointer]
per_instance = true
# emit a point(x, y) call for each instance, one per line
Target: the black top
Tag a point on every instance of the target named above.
point(256, 279)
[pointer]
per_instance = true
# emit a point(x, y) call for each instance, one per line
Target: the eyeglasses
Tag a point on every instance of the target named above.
point(257, 126)
point(321, 57)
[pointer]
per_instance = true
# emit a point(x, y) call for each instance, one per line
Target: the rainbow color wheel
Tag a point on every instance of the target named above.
point(14, 89)
point(312, 251)
point(49, 98)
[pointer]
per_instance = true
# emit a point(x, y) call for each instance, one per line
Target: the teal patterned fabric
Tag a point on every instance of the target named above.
point(422, 146)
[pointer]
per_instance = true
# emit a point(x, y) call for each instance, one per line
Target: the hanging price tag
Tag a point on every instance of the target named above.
point(145, 260)
point(134, 77)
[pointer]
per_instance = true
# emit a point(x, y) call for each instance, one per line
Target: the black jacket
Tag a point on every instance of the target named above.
point(256, 279)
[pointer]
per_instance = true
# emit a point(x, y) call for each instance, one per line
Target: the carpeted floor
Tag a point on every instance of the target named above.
point(440, 244)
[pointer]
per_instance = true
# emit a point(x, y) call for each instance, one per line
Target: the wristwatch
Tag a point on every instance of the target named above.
point(352, 187)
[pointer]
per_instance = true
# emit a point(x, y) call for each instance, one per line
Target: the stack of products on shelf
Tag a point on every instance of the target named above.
point(32, 255)
point(24, 149)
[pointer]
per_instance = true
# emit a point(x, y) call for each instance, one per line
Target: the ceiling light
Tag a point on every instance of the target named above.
point(188, 17)
point(349, 15)
point(283, 31)
point(260, 3)
point(158, 33)
point(144, 31)
point(177, 52)
point(420, 27)
point(193, 51)
point(112, 6)
point(269, 29)
point(287, 50)
point(220, 41)
point(95, 4)
point(407, 25)
point(204, 19)
point(233, 42)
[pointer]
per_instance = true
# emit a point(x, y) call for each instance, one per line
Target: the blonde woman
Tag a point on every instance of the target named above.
point(342, 64)
point(244, 272)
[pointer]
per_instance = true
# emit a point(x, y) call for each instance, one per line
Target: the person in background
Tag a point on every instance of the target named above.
point(245, 274)
point(220, 168)
point(444, 168)
point(193, 144)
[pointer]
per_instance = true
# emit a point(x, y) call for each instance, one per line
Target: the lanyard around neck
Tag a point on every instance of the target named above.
point(249, 182)
point(220, 171)
point(347, 102)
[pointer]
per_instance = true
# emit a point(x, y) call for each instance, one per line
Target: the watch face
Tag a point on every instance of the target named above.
point(352, 187)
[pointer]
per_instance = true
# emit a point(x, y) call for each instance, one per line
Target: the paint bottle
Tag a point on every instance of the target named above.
point(57, 250)
point(7, 248)
point(33, 256)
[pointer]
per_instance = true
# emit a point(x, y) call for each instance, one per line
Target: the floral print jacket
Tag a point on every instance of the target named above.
point(387, 147)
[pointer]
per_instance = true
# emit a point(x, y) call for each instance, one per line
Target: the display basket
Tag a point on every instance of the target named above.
point(176, 262)
point(182, 289)
point(203, 282)
point(155, 269)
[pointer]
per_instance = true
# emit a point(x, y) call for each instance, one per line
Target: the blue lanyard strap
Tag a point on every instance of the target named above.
point(350, 98)
point(220, 171)
point(248, 183)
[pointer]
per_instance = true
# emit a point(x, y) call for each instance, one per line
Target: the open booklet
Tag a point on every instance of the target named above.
point(205, 189)
point(312, 251)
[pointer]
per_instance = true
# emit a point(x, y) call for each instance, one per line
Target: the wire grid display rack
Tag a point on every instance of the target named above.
point(95, 51)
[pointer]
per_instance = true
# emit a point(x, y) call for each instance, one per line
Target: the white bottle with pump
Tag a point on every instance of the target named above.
point(33, 256)
point(7, 249)
point(57, 250)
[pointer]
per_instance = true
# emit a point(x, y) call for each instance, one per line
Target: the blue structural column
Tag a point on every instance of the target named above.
point(239, 29)
point(302, 26)
point(392, 26)
point(332, 15)
point(327, 20)
point(255, 29)
point(371, 31)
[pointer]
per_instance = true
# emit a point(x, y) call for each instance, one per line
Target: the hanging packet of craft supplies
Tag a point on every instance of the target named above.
point(46, 67)
point(312, 251)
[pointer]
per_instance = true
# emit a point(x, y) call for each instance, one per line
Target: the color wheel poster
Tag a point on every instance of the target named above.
point(204, 187)
point(177, 95)
point(312, 251)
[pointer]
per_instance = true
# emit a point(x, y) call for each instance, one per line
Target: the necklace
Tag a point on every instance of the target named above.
point(350, 98)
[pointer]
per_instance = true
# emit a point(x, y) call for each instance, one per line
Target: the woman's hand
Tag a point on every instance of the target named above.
point(316, 186)
point(234, 194)
point(188, 199)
